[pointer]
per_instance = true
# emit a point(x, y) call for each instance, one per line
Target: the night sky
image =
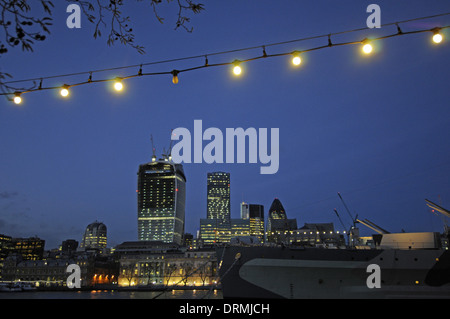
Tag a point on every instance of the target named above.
point(374, 128)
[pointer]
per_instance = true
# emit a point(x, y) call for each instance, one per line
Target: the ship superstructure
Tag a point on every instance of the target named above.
point(396, 265)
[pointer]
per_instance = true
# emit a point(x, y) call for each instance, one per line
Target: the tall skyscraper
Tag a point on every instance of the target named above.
point(254, 213)
point(95, 236)
point(218, 196)
point(161, 195)
point(216, 228)
point(256, 216)
point(276, 210)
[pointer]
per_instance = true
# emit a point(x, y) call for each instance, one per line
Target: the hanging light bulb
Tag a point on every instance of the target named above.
point(367, 47)
point(64, 91)
point(175, 76)
point(296, 60)
point(17, 98)
point(437, 36)
point(237, 70)
point(118, 85)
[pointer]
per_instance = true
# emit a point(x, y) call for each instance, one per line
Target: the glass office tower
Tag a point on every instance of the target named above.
point(256, 216)
point(279, 226)
point(216, 228)
point(95, 236)
point(218, 196)
point(161, 195)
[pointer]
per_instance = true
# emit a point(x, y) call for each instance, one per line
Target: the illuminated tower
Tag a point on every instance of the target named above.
point(218, 196)
point(161, 195)
point(276, 210)
point(94, 236)
point(216, 228)
point(256, 216)
point(244, 211)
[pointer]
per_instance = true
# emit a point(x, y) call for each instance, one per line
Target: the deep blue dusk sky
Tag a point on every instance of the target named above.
point(375, 128)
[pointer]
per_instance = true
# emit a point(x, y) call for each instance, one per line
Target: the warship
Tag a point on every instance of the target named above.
point(398, 265)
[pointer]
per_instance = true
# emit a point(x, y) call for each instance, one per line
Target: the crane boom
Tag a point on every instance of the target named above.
point(369, 226)
point(337, 214)
point(348, 211)
point(373, 226)
point(438, 208)
point(384, 231)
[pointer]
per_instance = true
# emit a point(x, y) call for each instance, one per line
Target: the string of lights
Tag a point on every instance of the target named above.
point(118, 82)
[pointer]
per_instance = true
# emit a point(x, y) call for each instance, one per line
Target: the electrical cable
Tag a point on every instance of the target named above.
point(17, 93)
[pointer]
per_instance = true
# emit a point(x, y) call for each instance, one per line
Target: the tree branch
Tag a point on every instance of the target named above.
point(21, 28)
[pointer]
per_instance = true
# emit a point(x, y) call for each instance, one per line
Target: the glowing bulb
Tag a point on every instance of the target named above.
point(296, 60)
point(17, 99)
point(118, 86)
point(64, 92)
point(175, 76)
point(437, 38)
point(367, 48)
point(237, 70)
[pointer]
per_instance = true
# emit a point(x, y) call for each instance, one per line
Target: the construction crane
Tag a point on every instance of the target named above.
point(168, 153)
point(153, 149)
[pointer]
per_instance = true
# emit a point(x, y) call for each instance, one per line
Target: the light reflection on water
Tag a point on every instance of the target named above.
point(114, 294)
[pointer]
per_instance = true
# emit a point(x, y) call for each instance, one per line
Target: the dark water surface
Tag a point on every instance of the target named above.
point(112, 294)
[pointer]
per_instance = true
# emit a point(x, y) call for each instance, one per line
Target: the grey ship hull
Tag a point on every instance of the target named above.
point(282, 272)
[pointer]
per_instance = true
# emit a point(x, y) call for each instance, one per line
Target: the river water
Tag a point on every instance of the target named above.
point(114, 294)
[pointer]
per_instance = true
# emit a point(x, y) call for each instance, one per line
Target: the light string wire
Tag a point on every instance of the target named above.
point(206, 64)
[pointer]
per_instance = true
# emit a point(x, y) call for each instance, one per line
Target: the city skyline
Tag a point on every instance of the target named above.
point(217, 208)
point(372, 127)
